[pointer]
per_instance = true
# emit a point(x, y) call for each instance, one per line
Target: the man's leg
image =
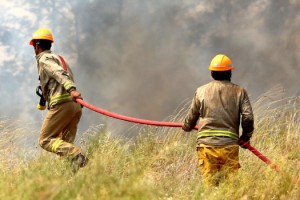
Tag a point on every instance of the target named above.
point(55, 122)
point(230, 155)
point(209, 165)
point(70, 131)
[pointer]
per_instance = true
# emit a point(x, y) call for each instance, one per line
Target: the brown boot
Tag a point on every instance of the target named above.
point(78, 162)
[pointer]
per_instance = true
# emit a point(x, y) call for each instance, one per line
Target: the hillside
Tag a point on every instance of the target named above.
point(159, 163)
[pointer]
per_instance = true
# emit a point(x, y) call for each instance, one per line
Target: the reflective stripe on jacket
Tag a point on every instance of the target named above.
point(220, 107)
point(54, 80)
point(217, 133)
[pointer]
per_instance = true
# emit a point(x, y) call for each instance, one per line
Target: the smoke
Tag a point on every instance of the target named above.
point(148, 57)
point(145, 58)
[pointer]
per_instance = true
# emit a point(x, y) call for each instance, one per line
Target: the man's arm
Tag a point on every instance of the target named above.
point(57, 72)
point(247, 120)
point(192, 117)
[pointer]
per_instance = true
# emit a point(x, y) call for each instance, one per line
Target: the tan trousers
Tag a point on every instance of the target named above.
point(59, 129)
point(217, 163)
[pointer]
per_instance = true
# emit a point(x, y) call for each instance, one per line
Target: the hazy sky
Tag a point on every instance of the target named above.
point(145, 58)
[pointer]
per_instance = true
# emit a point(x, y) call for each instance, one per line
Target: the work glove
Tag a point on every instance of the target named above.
point(185, 128)
point(244, 139)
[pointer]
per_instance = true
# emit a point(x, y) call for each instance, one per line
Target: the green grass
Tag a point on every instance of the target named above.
point(161, 163)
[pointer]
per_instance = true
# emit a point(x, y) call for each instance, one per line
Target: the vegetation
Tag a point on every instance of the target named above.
point(161, 163)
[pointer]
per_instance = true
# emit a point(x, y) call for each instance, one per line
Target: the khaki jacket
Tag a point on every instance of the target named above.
point(220, 107)
point(54, 80)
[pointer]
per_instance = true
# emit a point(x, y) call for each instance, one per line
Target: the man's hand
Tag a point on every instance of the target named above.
point(75, 95)
point(244, 139)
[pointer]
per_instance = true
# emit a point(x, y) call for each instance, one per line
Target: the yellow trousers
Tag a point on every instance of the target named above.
point(217, 163)
point(59, 129)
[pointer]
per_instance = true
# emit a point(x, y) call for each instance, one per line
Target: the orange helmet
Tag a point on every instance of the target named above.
point(41, 34)
point(220, 63)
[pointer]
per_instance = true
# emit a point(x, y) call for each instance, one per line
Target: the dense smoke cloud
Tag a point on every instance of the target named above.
point(144, 58)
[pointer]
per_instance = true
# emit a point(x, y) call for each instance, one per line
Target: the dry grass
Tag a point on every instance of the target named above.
point(159, 163)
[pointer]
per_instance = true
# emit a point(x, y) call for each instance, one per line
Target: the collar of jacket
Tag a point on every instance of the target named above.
point(41, 54)
point(225, 81)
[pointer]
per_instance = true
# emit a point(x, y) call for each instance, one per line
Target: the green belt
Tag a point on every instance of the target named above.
point(217, 133)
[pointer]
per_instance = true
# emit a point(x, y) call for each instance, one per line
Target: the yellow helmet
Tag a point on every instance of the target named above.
point(42, 34)
point(220, 63)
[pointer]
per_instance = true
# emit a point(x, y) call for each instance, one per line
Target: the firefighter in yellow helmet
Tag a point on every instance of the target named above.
point(58, 89)
point(220, 107)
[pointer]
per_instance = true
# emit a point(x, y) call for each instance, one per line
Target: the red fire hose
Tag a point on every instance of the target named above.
point(128, 119)
point(175, 124)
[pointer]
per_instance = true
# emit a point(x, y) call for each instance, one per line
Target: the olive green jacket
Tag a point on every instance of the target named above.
point(220, 107)
point(54, 80)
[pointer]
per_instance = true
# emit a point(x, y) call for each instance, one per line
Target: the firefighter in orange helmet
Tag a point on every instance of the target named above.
point(220, 107)
point(59, 91)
